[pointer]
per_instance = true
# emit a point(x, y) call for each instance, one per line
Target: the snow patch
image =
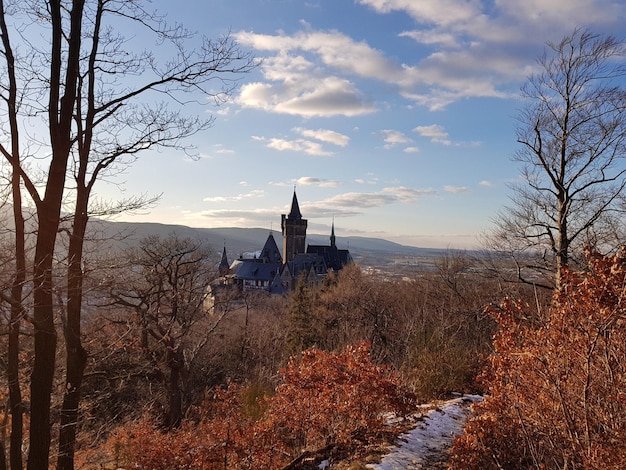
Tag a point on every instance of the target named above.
point(431, 439)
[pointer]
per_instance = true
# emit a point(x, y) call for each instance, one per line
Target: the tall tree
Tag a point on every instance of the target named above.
point(166, 285)
point(301, 331)
point(11, 151)
point(95, 88)
point(572, 133)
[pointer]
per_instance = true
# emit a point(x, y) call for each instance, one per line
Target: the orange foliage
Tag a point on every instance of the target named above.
point(556, 386)
point(331, 397)
point(325, 399)
point(221, 437)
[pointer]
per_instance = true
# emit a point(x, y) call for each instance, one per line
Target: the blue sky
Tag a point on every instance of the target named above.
point(394, 117)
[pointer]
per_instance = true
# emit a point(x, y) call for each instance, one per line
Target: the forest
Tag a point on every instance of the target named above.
point(125, 359)
point(256, 379)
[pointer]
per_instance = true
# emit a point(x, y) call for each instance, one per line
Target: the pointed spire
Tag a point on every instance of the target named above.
point(270, 252)
point(332, 233)
point(224, 266)
point(295, 208)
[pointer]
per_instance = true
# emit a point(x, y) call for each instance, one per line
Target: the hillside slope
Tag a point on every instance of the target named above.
point(240, 241)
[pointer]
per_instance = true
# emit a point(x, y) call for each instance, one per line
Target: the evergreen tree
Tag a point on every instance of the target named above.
point(301, 330)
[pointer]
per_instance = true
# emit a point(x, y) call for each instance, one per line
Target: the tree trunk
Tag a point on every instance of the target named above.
point(562, 243)
point(76, 356)
point(3, 458)
point(45, 338)
point(15, 391)
point(13, 365)
point(175, 412)
point(60, 114)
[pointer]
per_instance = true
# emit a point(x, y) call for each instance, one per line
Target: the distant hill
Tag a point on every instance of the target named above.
point(241, 241)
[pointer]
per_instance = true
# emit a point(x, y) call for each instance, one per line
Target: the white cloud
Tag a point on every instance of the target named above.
point(571, 13)
point(486, 183)
point(432, 37)
point(435, 100)
point(310, 86)
point(502, 20)
point(483, 48)
point(309, 147)
point(332, 48)
point(476, 48)
point(311, 181)
point(325, 135)
point(408, 195)
point(411, 150)
point(371, 181)
point(455, 189)
point(362, 200)
point(439, 12)
point(393, 137)
point(341, 205)
point(435, 133)
point(236, 218)
point(297, 145)
point(295, 85)
point(224, 151)
point(329, 96)
point(281, 184)
point(239, 197)
point(222, 111)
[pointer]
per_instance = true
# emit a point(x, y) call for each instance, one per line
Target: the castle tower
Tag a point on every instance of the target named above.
point(294, 231)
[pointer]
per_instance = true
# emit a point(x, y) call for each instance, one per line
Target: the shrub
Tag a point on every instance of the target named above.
point(556, 385)
point(325, 399)
point(333, 397)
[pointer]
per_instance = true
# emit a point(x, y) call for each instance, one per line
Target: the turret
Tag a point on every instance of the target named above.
point(294, 231)
point(224, 267)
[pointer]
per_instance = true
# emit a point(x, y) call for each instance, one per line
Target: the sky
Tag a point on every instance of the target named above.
point(395, 119)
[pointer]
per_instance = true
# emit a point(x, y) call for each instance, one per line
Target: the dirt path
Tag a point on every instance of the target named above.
point(426, 446)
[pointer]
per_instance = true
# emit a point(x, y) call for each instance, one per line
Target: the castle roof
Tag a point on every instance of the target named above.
point(265, 268)
point(255, 269)
point(306, 262)
point(333, 257)
point(270, 252)
point(224, 265)
point(295, 213)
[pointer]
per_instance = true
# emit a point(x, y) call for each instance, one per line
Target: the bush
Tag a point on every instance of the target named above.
point(330, 398)
point(556, 385)
point(325, 399)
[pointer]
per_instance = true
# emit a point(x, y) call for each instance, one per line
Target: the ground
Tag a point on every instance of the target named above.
point(420, 442)
point(426, 446)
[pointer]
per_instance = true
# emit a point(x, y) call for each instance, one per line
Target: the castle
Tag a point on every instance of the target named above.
point(271, 272)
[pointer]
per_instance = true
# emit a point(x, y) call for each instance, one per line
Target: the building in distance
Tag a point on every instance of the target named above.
point(271, 272)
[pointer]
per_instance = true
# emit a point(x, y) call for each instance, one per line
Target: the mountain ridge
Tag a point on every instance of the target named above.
point(241, 241)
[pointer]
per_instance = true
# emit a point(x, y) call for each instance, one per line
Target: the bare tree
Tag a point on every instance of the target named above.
point(83, 81)
point(11, 151)
point(572, 133)
point(166, 285)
